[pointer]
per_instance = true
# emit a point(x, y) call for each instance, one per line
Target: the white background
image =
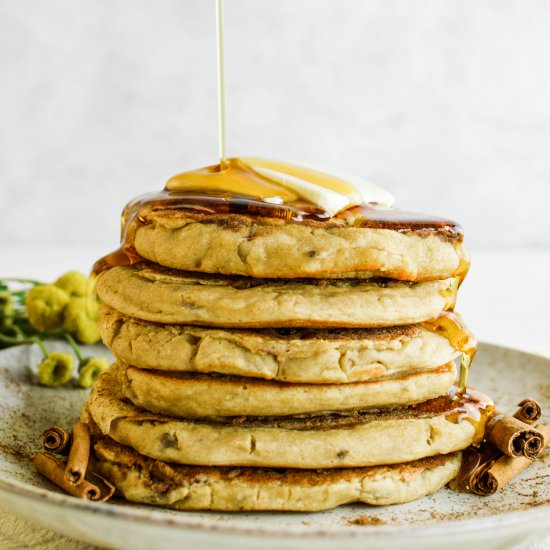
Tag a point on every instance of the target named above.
point(445, 103)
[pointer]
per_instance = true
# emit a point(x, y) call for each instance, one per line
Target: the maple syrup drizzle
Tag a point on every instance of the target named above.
point(234, 187)
point(463, 266)
point(457, 406)
point(221, 82)
point(450, 325)
point(472, 458)
point(239, 189)
point(450, 294)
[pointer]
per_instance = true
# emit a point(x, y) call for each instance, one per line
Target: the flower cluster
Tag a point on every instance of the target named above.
point(69, 303)
point(33, 311)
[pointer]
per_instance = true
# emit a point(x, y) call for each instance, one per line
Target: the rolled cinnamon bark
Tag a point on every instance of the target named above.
point(94, 488)
point(482, 484)
point(486, 469)
point(56, 440)
point(514, 437)
point(79, 454)
point(529, 411)
point(474, 459)
point(534, 446)
point(493, 475)
point(106, 488)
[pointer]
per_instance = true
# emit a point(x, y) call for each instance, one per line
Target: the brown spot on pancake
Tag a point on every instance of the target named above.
point(169, 441)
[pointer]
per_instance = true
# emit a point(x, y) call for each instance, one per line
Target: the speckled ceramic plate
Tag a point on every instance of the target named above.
point(520, 513)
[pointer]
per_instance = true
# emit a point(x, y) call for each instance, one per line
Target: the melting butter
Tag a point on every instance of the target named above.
point(280, 182)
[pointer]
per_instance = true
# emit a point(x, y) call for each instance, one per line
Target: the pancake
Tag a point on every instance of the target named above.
point(288, 355)
point(203, 395)
point(148, 481)
point(153, 293)
point(258, 246)
point(359, 438)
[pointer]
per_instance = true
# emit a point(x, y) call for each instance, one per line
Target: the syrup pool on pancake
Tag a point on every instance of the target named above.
point(276, 189)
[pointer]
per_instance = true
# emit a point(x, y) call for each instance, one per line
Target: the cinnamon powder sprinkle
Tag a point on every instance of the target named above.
point(366, 521)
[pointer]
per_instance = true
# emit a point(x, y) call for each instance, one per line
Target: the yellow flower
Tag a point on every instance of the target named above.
point(90, 370)
point(6, 308)
point(46, 306)
point(81, 315)
point(75, 284)
point(56, 369)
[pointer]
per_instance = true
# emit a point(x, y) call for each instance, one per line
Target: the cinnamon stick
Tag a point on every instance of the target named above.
point(494, 474)
point(514, 437)
point(106, 488)
point(94, 487)
point(486, 469)
point(56, 440)
point(79, 454)
point(529, 411)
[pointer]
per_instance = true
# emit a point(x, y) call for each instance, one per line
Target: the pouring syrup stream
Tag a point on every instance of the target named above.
point(259, 187)
point(221, 84)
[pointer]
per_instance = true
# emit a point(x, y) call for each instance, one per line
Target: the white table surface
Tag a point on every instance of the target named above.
point(505, 300)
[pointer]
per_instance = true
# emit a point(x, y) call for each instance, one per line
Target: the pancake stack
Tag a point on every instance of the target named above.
point(271, 364)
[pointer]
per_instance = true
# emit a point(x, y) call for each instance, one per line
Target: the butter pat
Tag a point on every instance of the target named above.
point(332, 192)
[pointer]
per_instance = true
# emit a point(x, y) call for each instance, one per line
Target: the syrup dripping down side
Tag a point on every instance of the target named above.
point(458, 406)
point(450, 326)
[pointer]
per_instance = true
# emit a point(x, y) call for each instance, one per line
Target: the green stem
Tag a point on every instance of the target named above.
point(15, 341)
point(75, 347)
point(18, 332)
point(18, 280)
point(37, 340)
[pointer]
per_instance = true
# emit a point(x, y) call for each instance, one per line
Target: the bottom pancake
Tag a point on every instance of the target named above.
point(150, 481)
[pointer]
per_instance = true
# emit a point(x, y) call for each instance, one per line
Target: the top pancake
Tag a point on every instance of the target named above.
point(340, 247)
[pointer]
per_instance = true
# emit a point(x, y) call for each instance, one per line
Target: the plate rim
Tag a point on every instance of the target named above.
point(157, 518)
